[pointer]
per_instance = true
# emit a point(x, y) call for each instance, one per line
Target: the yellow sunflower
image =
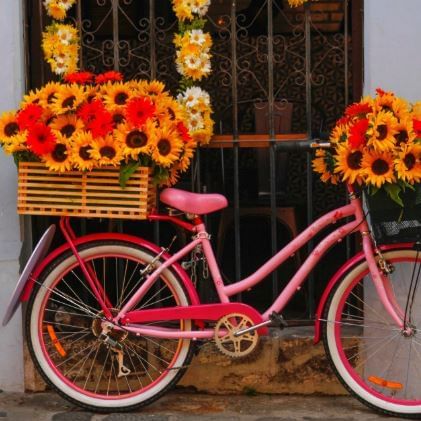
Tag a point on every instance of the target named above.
point(116, 95)
point(33, 97)
point(48, 93)
point(107, 150)
point(136, 140)
point(67, 125)
point(400, 108)
point(405, 131)
point(59, 159)
point(168, 109)
point(348, 164)
point(186, 155)
point(408, 165)
point(154, 88)
point(339, 134)
point(384, 101)
point(16, 143)
point(68, 98)
point(382, 131)
point(173, 176)
point(378, 168)
point(167, 146)
point(81, 151)
point(324, 165)
point(203, 136)
point(8, 127)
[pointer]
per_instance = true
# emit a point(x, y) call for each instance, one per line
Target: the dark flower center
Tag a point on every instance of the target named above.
point(118, 118)
point(380, 167)
point(354, 160)
point(68, 130)
point(11, 129)
point(136, 139)
point(68, 102)
point(107, 152)
point(121, 98)
point(60, 153)
point(51, 97)
point(382, 129)
point(387, 108)
point(84, 153)
point(402, 136)
point(171, 113)
point(164, 147)
point(409, 161)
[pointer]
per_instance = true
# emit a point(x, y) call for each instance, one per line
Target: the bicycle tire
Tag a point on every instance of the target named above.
point(369, 354)
point(59, 314)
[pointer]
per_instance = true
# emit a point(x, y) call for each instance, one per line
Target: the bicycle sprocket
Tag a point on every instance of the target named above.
point(231, 345)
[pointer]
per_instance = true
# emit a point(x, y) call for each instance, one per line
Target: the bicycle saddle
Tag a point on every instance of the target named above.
point(195, 203)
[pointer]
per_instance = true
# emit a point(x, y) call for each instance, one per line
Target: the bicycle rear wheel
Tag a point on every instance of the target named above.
point(372, 358)
point(64, 323)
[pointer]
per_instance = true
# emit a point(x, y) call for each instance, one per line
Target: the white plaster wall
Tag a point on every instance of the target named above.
point(11, 90)
point(392, 32)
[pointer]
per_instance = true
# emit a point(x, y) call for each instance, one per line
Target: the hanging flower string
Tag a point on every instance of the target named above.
point(193, 61)
point(60, 42)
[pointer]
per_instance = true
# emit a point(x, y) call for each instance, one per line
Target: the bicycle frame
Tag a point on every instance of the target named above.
point(132, 320)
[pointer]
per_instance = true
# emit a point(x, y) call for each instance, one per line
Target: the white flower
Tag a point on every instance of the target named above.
point(197, 37)
point(65, 4)
point(205, 63)
point(194, 95)
point(195, 122)
point(193, 62)
point(200, 7)
point(65, 36)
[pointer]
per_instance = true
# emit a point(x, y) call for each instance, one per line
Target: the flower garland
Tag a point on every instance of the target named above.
point(193, 60)
point(297, 3)
point(60, 42)
point(377, 145)
point(93, 121)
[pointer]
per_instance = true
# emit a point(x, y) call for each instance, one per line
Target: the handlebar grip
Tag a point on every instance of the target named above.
point(302, 145)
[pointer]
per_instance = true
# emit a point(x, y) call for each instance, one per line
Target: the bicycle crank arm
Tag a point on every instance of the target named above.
point(275, 319)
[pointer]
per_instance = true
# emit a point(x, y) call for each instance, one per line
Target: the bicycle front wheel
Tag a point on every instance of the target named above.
point(64, 327)
point(372, 357)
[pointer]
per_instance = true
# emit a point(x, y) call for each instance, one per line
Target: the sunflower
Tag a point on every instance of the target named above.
point(378, 168)
point(400, 108)
point(348, 164)
point(59, 159)
point(67, 125)
point(107, 150)
point(81, 151)
point(384, 101)
point(408, 165)
point(136, 140)
point(41, 140)
point(167, 146)
point(154, 88)
point(48, 93)
point(9, 126)
point(169, 109)
point(405, 131)
point(339, 133)
point(118, 118)
point(187, 154)
point(116, 95)
point(324, 164)
point(33, 97)
point(173, 176)
point(68, 98)
point(382, 131)
point(16, 143)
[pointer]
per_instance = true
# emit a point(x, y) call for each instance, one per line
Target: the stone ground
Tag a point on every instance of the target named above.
point(181, 405)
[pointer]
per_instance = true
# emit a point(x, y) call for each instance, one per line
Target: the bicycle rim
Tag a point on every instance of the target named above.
point(370, 354)
point(65, 325)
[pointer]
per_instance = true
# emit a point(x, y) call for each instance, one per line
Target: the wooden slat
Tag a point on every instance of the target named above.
point(84, 194)
point(251, 140)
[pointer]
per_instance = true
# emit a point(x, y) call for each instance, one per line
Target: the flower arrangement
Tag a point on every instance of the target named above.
point(377, 145)
point(193, 59)
point(297, 3)
point(92, 121)
point(60, 42)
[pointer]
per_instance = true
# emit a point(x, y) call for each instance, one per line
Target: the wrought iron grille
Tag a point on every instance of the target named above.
point(275, 70)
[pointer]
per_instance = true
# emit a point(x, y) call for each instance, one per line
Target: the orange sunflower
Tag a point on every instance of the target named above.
point(381, 134)
point(9, 127)
point(408, 164)
point(67, 125)
point(348, 164)
point(107, 150)
point(378, 168)
point(324, 165)
point(59, 159)
point(167, 146)
point(81, 151)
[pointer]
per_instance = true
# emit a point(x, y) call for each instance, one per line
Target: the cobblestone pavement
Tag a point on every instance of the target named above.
point(178, 405)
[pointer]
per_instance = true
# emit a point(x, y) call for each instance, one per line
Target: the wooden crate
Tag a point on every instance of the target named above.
point(94, 193)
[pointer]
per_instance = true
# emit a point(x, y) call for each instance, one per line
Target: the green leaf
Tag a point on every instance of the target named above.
point(126, 171)
point(393, 191)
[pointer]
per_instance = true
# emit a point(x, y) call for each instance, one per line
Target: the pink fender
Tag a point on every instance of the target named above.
point(338, 276)
point(109, 236)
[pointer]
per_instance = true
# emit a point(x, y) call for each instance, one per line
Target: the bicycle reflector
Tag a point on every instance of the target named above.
point(55, 341)
point(385, 383)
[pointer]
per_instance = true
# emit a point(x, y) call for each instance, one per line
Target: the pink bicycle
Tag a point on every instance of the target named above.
point(112, 319)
